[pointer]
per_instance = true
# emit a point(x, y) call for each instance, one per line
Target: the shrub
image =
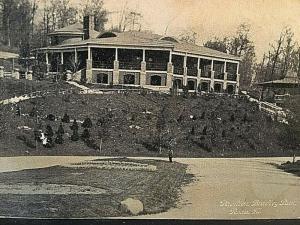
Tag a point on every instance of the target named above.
point(86, 134)
point(193, 131)
point(66, 118)
point(74, 125)
point(185, 91)
point(87, 123)
point(232, 118)
point(59, 139)
point(49, 132)
point(144, 92)
point(75, 136)
point(51, 117)
point(49, 143)
point(204, 132)
point(91, 143)
point(60, 129)
point(202, 115)
point(37, 135)
point(83, 80)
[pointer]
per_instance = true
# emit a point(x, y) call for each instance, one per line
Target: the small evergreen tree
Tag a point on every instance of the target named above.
point(59, 139)
point(86, 134)
point(49, 131)
point(193, 131)
point(232, 118)
point(74, 125)
point(202, 115)
point(60, 130)
point(75, 136)
point(87, 123)
point(204, 132)
point(66, 118)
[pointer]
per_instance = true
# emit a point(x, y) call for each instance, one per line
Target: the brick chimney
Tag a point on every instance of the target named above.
point(88, 26)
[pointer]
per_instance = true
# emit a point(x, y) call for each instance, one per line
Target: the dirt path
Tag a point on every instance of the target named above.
point(223, 188)
point(237, 189)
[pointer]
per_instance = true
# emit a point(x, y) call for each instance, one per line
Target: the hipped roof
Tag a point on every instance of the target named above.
point(141, 39)
point(290, 79)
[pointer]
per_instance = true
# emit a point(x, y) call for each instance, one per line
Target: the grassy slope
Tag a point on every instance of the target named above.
point(157, 190)
point(257, 136)
point(10, 88)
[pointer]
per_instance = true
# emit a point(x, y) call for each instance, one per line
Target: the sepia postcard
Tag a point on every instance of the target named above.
point(150, 111)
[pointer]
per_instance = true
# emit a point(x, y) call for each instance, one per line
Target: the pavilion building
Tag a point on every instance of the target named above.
point(139, 59)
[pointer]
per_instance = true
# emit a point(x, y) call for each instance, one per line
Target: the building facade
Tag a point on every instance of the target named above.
point(139, 59)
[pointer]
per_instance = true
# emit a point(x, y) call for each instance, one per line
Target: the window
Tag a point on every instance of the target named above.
point(155, 80)
point(191, 85)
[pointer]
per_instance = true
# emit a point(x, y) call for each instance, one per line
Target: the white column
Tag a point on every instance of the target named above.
point(185, 70)
point(116, 54)
point(89, 53)
point(47, 58)
point(75, 55)
point(212, 77)
point(170, 57)
point(198, 74)
point(62, 58)
point(144, 55)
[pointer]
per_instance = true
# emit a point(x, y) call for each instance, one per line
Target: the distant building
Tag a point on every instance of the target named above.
point(289, 85)
point(139, 59)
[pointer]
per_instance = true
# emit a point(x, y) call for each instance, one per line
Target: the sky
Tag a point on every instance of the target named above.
point(210, 18)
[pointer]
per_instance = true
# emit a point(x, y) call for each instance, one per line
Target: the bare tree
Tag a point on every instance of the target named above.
point(95, 8)
point(188, 36)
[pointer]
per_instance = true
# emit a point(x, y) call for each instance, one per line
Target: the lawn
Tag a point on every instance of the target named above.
point(158, 190)
point(10, 88)
point(205, 126)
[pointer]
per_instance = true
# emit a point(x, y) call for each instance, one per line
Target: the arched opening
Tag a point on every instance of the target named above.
point(191, 85)
point(177, 84)
point(204, 86)
point(155, 80)
point(102, 78)
point(129, 79)
point(230, 89)
point(218, 87)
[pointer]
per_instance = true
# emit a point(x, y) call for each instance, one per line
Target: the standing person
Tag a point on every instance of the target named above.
point(171, 155)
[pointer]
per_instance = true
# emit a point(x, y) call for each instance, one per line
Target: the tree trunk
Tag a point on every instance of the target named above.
point(100, 146)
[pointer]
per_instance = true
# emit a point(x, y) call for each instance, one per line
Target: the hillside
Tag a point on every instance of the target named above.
point(132, 124)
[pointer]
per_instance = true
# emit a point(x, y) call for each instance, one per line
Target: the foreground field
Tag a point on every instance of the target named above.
point(215, 191)
point(65, 192)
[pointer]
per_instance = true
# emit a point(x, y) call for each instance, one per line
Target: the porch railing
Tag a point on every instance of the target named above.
point(103, 65)
point(206, 73)
point(156, 66)
point(231, 77)
point(128, 65)
point(219, 76)
point(192, 72)
point(178, 70)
